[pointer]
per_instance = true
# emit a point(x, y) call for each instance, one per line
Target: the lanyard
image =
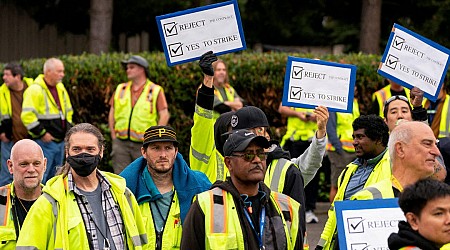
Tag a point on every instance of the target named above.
point(262, 221)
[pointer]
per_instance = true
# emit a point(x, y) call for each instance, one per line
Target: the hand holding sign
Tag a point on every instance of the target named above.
point(206, 61)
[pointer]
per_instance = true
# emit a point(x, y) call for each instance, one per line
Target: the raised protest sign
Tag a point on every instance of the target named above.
point(414, 61)
point(367, 224)
point(310, 83)
point(188, 34)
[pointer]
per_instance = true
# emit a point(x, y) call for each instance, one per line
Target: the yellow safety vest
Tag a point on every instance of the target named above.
point(380, 172)
point(298, 129)
point(385, 93)
point(8, 236)
point(131, 122)
point(171, 237)
point(229, 92)
point(5, 99)
point(223, 228)
point(444, 125)
point(39, 106)
point(344, 129)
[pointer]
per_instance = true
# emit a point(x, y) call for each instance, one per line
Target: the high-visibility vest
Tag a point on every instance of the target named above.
point(381, 171)
point(171, 237)
point(229, 92)
point(8, 230)
point(39, 106)
point(298, 129)
point(131, 122)
point(222, 226)
point(5, 99)
point(444, 125)
point(385, 93)
point(344, 129)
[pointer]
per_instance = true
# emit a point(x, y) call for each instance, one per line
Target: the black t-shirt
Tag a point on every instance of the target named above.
point(22, 208)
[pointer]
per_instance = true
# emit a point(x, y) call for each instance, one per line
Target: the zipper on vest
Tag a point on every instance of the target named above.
point(129, 124)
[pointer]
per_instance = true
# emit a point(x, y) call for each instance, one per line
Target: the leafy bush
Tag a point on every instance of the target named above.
point(258, 78)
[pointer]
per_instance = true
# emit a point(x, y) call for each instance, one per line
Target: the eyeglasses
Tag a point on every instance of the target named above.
point(396, 97)
point(250, 156)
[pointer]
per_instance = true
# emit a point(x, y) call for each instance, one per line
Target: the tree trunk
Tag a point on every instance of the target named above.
point(370, 26)
point(101, 14)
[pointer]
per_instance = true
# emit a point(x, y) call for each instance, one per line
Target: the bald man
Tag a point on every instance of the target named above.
point(413, 153)
point(27, 165)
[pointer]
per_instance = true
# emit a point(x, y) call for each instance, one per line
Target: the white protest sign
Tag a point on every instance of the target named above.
point(414, 61)
point(310, 83)
point(186, 35)
point(367, 224)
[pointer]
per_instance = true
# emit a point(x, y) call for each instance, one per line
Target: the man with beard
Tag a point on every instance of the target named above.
point(164, 186)
point(84, 208)
point(242, 212)
point(370, 138)
point(27, 165)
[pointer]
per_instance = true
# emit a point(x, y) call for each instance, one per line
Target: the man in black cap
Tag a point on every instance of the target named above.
point(242, 212)
point(164, 186)
point(135, 106)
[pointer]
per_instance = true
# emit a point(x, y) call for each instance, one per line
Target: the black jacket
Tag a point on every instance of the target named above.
point(406, 236)
point(194, 225)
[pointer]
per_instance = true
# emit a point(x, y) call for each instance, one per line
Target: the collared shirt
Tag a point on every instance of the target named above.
point(359, 178)
point(111, 211)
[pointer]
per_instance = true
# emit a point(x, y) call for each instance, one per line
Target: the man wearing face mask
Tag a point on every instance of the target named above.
point(84, 208)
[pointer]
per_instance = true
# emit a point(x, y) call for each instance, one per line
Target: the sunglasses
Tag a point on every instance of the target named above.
point(396, 97)
point(250, 156)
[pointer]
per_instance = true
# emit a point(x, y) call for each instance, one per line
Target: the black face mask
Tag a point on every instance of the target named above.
point(83, 164)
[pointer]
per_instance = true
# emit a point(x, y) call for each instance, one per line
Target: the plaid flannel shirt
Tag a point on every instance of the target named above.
point(111, 211)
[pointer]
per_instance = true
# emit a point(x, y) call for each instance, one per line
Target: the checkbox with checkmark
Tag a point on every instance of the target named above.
point(359, 246)
point(355, 225)
point(297, 72)
point(170, 29)
point(296, 93)
point(391, 61)
point(176, 49)
point(398, 42)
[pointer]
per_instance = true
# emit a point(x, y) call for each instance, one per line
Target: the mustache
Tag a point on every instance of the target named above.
point(257, 167)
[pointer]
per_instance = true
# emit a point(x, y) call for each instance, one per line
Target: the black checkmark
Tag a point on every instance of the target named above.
point(390, 62)
point(396, 43)
point(295, 93)
point(357, 224)
point(175, 50)
point(296, 73)
point(171, 29)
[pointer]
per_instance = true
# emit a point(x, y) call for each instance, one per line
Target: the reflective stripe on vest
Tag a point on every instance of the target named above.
point(376, 194)
point(276, 174)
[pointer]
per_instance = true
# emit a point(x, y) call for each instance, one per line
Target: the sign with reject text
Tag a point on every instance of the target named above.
point(186, 35)
point(367, 224)
point(310, 83)
point(414, 61)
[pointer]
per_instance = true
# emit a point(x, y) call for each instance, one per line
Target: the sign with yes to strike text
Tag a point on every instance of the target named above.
point(367, 224)
point(310, 83)
point(188, 34)
point(414, 61)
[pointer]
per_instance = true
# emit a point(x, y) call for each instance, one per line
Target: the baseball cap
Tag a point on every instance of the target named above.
point(139, 60)
point(160, 134)
point(239, 140)
point(248, 117)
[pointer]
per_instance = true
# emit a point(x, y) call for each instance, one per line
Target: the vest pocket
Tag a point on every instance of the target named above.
point(222, 241)
point(6, 235)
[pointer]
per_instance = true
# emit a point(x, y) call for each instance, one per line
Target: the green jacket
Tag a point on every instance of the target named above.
point(55, 221)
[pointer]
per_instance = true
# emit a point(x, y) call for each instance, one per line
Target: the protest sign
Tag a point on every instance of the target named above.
point(414, 61)
point(188, 34)
point(367, 224)
point(310, 83)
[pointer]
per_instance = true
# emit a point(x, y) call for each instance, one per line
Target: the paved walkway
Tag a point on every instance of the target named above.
point(315, 229)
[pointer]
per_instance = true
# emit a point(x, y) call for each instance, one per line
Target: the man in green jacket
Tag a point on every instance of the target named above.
point(84, 208)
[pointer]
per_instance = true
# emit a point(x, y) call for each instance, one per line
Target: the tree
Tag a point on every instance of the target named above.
point(370, 26)
point(100, 31)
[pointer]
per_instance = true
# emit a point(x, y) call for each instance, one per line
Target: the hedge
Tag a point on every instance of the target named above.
point(257, 77)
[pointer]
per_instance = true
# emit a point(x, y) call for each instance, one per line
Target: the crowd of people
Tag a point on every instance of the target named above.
point(241, 188)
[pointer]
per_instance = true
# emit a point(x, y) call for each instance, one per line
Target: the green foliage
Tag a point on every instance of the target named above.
point(258, 78)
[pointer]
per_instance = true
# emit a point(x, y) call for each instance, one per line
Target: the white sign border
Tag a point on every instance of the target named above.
point(202, 8)
point(423, 39)
point(340, 206)
point(287, 78)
